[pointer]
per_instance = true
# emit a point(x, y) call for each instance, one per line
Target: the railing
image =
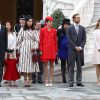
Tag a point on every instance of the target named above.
point(86, 10)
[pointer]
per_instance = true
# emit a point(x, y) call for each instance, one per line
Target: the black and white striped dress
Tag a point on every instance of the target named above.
point(25, 43)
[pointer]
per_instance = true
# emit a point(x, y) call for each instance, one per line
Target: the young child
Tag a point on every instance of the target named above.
point(11, 73)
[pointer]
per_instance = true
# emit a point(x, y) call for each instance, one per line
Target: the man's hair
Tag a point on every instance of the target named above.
point(74, 16)
point(36, 22)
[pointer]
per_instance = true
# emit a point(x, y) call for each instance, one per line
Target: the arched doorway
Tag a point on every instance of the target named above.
point(30, 7)
point(14, 8)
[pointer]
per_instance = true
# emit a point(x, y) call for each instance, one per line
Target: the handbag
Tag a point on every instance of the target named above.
point(35, 55)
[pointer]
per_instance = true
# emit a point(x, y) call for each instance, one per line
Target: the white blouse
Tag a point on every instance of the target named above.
point(11, 40)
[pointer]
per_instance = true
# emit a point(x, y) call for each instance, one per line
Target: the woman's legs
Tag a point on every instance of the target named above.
point(63, 69)
point(14, 83)
point(25, 78)
point(45, 65)
point(45, 70)
point(30, 78)
point(9, 83)
point(98, 73)
point(51, 70)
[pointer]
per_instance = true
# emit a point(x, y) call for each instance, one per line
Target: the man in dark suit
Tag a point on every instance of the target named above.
point(3, 48)
point(39, 76)
point(21, 23)
point(77, 40)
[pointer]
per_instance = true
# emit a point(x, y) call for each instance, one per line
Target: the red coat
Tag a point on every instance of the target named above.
point(11, 72)
point(48, 44)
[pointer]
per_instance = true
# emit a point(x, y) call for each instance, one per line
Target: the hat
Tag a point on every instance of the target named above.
point(22, 17)
point(49, 18)
point(42, 22)
point(66, 21)
point(28, 17)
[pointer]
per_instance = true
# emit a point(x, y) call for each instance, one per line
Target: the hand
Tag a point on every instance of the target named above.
point(77, 49)
point(40, 53)
point(5, 55)
point(98, 49)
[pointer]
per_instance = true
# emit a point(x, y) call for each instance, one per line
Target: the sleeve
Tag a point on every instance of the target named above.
point(97, 40)
point(17, 60)
point(14, 41)
point(56, 41)
point(84, 38)
point(35, 39)
point(20, 38)
point(6, 39)
point(41, 40)
point(5, 61)
point(70, 39)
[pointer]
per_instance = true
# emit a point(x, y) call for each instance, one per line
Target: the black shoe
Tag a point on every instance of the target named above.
point(34, 82)
point(64, 80)
point(40, 81)
point(80, 84)
point(71, 85)
point(0, 85)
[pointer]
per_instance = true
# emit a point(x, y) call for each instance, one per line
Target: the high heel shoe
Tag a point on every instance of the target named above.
point(50, 83)
point(46, 83)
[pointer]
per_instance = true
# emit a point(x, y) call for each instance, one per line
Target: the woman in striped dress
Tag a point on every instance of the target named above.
point(25, 44)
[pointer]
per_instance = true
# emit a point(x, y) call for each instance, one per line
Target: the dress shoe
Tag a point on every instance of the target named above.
point(40, 81)
point(64, 80)
point(33, 82)
point(71, 85)
point(80, 84)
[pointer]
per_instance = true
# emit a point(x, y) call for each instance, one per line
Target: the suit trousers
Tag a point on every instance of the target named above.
point(71, 66)
point(39, 74)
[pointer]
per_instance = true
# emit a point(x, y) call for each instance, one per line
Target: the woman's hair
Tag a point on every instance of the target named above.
point(97, 25)
point(10, 24)
point(27, 18)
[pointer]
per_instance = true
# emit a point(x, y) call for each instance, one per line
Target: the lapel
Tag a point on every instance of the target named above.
point(74, 29)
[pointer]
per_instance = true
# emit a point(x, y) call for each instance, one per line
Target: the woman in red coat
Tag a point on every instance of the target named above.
point(48, 48)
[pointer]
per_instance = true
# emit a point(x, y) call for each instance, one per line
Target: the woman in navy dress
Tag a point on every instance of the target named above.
point(63, 46)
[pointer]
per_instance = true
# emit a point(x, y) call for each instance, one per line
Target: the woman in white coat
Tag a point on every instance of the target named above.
point(96, 54)
point(11, 39)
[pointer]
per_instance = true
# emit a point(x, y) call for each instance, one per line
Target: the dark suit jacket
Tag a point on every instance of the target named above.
point(76, 40)
point(3, 42)
point(17, 27)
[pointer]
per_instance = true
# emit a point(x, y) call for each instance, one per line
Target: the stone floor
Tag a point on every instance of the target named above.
point(59, 91)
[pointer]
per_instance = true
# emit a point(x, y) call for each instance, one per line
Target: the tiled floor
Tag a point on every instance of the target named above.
point(59, 91)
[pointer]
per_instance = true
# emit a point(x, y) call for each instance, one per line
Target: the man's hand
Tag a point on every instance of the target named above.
point(78, 49)
point(5, 55)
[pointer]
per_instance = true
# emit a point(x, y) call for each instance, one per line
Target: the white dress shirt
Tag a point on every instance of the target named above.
point(0, 27)
point(76, 27)
point(11, 41)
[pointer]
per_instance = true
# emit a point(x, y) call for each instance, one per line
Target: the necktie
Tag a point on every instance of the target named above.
point(77, 28)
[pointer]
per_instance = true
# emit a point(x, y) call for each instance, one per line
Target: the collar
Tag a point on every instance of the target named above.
point(76, 24)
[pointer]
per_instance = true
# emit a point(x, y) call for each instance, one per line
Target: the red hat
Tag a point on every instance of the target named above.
point(49, 18)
